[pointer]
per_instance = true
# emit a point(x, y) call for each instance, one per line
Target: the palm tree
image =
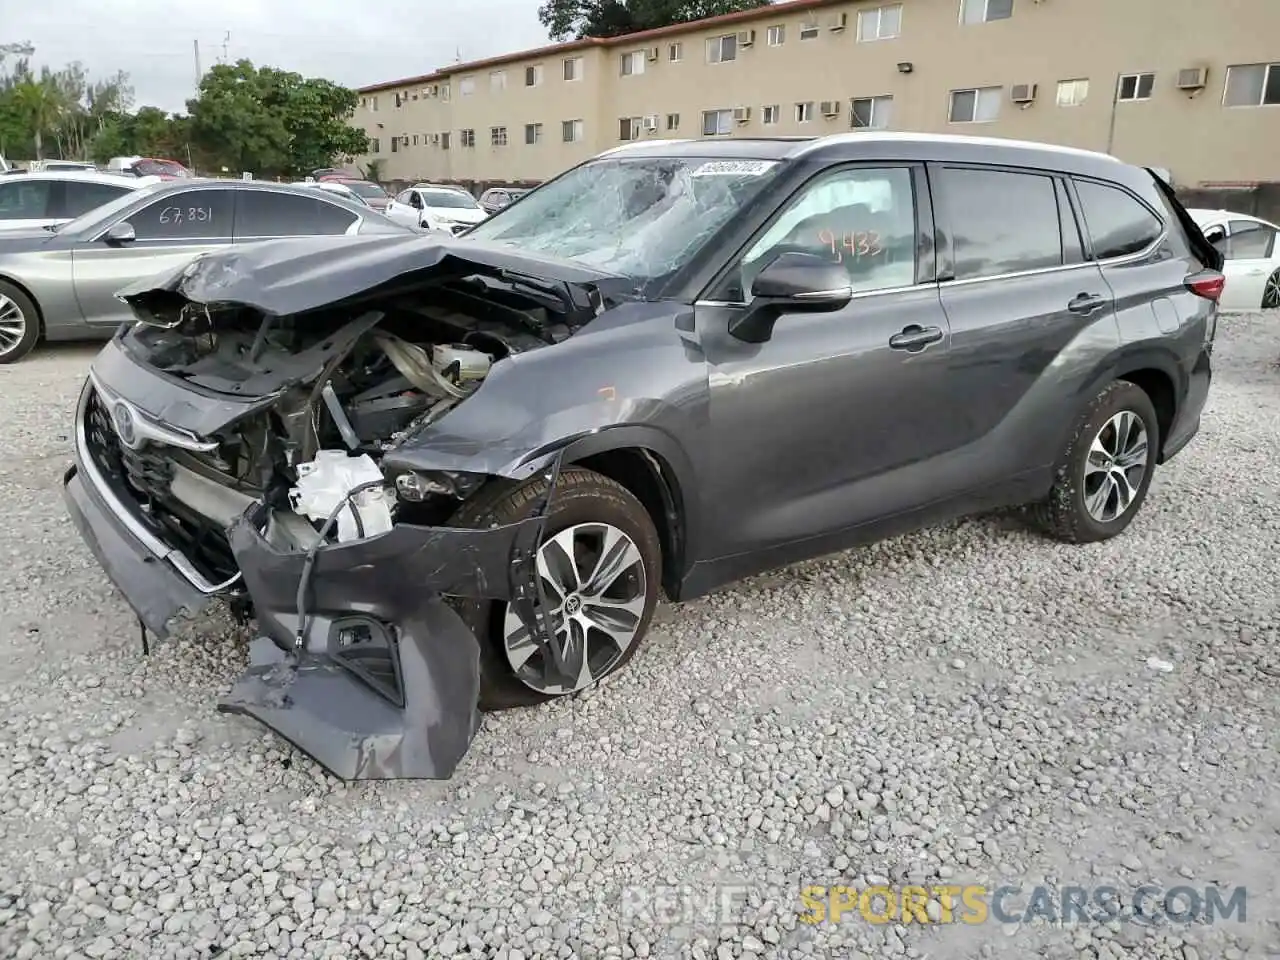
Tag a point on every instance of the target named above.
point(43, 104)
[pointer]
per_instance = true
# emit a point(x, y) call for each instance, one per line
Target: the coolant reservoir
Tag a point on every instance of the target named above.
point(472, 365)
point(324, 483)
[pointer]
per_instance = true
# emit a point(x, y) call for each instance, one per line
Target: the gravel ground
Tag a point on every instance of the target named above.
point(973, 704)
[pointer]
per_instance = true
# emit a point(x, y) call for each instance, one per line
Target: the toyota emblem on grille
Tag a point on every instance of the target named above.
point(122, 414)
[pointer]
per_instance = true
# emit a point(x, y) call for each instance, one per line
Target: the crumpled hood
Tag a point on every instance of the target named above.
point(279, 277)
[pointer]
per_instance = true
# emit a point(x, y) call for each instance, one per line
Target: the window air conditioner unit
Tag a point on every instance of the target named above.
point(741, 114)
point(651, 123)
point(839, 21)
point(1023, 93)
point(435, 139)
point(653, 54)
point(1192, 78)
point(433, 91)
point(746, 38)
point(830, 108)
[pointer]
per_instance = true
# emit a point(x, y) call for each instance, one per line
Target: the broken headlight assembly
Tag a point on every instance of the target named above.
point(415, 486)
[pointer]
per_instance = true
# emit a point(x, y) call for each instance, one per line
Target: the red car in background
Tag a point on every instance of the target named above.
point(150, 167)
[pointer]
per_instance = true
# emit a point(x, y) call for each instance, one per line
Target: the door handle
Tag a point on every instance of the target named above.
point(915, 337)
point(1086, 303)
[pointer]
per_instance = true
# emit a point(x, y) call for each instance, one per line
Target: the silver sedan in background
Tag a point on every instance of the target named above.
point(59, 283)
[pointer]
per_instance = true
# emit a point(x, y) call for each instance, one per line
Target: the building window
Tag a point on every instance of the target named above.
point(981, 105)
point(415, 139)
point(466, 138)
point(722, 49)
point(1253, 85)
point(1072, 93)
point(673, 121)
point(633, 63)
point(675, 52)
point(467, 86)
point(497, 136)
point(804, 112)
point(397, 96)
point(444, 140)
point(395, 144)
point(573, 68)
point(498, 80)
point(571, 131)
point(532, 133)
point(871, 113)
point(533, 76)
point(444, 91)
point(375, 103)
point(882, 23)
point(1136, 86)
point(375, 145)
point(717, 123)
point(769, 114)
point(984, 11)
point(629, 128)
point(809, 30)
point(776, 35)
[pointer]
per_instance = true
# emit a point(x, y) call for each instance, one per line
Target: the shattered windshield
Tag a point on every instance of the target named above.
point(641, 217)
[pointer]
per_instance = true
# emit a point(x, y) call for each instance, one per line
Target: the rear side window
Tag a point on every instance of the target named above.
point(1001, 222)
point(1118, 224)
point(266, 213)
point(83, 197)
point(22, 199)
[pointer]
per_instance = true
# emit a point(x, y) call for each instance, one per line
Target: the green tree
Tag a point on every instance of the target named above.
point(576, 19)
point(272, 122)
point(41, 104)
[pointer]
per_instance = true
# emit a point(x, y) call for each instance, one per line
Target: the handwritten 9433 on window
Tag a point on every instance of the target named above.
point(856, 244)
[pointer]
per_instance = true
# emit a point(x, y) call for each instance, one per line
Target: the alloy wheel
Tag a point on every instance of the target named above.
point(13, 325)
point(1271, 293)
point(596, 587)
point(1115, 467)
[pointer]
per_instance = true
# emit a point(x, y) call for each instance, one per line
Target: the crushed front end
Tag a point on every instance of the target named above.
point(226, 452)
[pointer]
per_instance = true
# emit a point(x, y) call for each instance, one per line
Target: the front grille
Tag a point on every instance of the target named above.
point(141, 478)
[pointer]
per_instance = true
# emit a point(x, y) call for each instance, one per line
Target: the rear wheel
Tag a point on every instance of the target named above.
point(600, 563)
point(19, 324)
point(1105, 471)
point(1271, 292)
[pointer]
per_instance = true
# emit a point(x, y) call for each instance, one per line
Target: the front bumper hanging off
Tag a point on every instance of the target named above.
point(382, 679)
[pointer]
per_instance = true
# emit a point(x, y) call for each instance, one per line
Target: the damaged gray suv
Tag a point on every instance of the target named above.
point(448, 475)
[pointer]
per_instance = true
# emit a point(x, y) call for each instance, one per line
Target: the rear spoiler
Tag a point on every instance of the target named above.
point(1206, 252)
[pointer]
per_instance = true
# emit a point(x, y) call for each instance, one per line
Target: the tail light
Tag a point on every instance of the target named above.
point(1207, 284)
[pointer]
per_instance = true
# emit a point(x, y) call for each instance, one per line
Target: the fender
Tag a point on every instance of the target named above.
point(1125, 360)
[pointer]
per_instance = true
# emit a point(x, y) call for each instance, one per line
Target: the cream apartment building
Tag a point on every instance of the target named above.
point(1189, 85)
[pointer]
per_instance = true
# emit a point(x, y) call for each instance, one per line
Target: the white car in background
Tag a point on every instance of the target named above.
point(338, 188)
point(1252, 255)
point(29, 201)
point(436, 208)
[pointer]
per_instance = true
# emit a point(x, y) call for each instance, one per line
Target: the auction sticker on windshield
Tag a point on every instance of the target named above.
point(733, 168)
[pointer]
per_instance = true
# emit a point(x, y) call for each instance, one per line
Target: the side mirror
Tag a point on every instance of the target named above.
point(119, 233)
point(791, 281)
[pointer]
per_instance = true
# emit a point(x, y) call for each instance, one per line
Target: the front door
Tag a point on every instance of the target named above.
point(830, 422)
point(169, 232)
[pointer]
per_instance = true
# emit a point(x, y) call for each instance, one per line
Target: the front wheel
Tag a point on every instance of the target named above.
point(600, 563)
point(1105, 471)
point(19, 324)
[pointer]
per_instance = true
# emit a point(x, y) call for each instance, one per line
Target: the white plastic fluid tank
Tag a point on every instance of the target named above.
point(324, 483)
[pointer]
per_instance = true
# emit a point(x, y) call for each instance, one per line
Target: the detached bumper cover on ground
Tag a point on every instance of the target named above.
point(384, 683)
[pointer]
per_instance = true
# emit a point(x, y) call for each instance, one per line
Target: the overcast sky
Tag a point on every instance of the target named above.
point(351, 43)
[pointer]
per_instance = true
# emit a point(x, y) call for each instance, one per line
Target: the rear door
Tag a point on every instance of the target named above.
point(271, 214)
point(170, 231)
point(1250, 265)
point(1016, 289)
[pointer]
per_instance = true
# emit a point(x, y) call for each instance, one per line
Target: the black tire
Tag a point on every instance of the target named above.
point(31, 324)
point(1271, 292)
point(1063, 514)
point(582, 496)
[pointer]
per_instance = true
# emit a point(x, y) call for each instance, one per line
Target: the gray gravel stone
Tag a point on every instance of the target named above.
point(969, 704)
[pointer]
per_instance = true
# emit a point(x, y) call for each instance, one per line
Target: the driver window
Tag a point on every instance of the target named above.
point(1250, 241)
point(863, 219)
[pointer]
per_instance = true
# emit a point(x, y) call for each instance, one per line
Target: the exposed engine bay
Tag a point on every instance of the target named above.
point(344, 390)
